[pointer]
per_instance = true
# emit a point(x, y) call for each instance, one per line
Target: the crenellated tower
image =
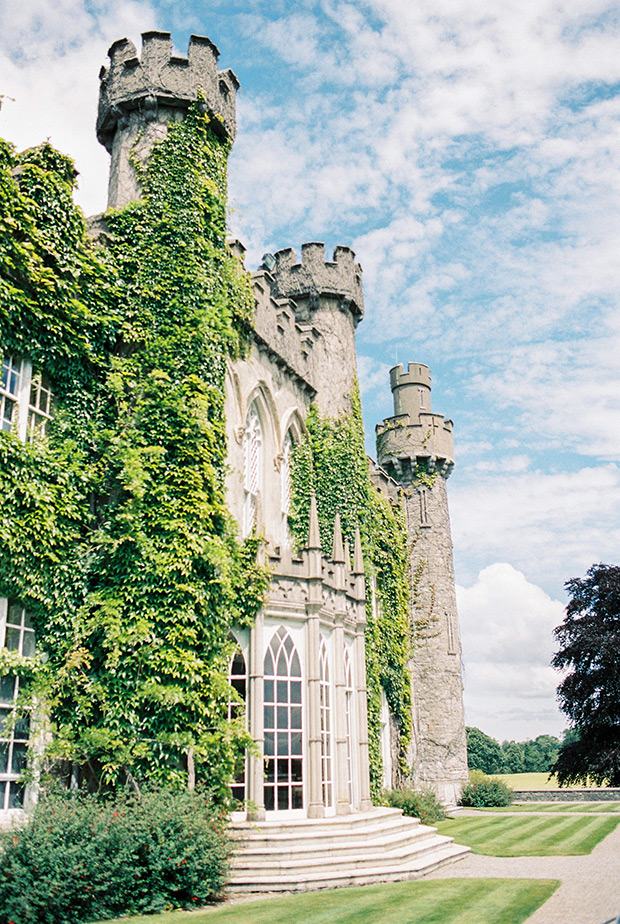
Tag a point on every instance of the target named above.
point(140, 96)
point(415, 448)
point(328, 305)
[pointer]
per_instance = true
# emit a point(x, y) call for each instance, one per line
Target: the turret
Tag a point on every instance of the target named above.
point(414, 440)
point(138, 97)
point(415, 448)
point(327, 294)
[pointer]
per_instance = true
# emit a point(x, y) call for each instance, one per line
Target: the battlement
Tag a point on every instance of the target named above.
point(415, 439)
point(160, 79)
point(314, 277)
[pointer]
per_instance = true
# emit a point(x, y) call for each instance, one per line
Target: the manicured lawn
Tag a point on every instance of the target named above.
point(583, 808)
point(443, 901)
point(535, 781)
point(532, 836)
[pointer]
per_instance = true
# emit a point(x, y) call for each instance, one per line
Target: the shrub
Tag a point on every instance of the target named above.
point(422, 804)
point(484, 791)
point(86, 858)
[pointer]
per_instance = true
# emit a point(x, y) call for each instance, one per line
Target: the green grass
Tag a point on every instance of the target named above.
point(533, 836)
point(536, 781)
point(583, 808)
point(442, 901)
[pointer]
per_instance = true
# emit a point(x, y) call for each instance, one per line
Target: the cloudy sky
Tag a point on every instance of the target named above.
point(470, 154)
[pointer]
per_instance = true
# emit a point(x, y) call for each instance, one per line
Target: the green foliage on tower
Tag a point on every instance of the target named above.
point(114, 532)
point(331, 461)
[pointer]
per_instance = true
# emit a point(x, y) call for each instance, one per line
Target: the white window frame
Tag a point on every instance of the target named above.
point(28, 418)
point(14, 736)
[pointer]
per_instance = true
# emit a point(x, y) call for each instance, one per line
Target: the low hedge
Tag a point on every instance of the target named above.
point(422, 804)
point(483, 791)
point(86, 858)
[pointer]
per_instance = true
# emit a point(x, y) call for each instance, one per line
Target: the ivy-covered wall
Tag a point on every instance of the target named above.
point(331, 461)
point(114, 532)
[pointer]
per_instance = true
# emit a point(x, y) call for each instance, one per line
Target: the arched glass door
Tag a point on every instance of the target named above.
point(282, 724)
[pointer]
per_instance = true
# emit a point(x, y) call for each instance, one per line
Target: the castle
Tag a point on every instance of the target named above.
point(301, 667)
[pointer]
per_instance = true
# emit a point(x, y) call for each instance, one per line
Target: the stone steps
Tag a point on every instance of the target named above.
point(358, 849)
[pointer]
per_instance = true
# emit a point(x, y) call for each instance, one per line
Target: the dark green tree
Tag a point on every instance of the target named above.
point(483, 752)
point(589, 694)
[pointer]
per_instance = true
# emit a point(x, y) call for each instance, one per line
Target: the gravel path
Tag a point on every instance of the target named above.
point(590, 889)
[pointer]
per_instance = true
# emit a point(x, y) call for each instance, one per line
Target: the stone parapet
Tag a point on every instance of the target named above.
point(403, 445)
point(158, 78)
point(314, 277)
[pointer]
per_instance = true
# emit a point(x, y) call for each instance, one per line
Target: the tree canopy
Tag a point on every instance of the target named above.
point(589, 694)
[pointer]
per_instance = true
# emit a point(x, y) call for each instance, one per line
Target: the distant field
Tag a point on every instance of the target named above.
point(536, 781)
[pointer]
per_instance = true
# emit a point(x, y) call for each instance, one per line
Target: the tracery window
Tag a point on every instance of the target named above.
point(285, 473)
point(326, 735)
point(348, 716)
point(253, 443)
point(16, 634)
point(238, 679)
point(282, 725)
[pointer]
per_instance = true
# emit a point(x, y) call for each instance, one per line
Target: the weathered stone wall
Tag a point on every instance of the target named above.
point(439, 754)
point(567, 795)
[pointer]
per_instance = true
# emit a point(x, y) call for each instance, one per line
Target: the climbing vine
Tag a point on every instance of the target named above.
point(331, 461)
point(114, 532)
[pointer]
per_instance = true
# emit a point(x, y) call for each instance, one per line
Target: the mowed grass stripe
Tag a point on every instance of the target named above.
point(447, 901)
point(529, 836)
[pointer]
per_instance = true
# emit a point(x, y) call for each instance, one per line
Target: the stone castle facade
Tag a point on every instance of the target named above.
point(301, 667)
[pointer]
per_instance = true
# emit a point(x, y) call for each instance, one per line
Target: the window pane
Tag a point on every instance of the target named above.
point(4, 760)
point(269, 798)
point(22, 728)
point(296, 776)
point(270, 770)
point(282, 691)
point(298, 797)
point(283, 770)
point(296, 717)
point(283, 744)
point(296, 743)
point(282, 717)
point(268, 691)
point(16, 795)
point(28, 646)
point(283, 800)
point(269, 744)
point(12, 638)
point(7, 688)
point(295, 691)
point(5, 715)
point(19, 758)
point(269, 717)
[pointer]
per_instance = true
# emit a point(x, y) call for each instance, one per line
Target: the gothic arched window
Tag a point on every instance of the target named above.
point(238, 679)
point(253, 445)
point(326, 735)
point(282, 724)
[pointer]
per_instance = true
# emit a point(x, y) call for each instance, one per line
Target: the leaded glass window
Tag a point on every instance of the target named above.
point(282, 725)
point(253, 440)
point(348, 715)
point(326, 732)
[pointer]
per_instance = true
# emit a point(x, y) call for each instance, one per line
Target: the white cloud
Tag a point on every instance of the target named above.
point(552, 526)
point(507, 635)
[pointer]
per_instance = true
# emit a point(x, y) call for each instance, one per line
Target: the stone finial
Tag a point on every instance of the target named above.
point(347, 557)
point(338, 550)
point(314, 535)
point(358, 557)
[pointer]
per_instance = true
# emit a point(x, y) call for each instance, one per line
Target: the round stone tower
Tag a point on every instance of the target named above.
point(138, 97)
point(415, 448)
point(327, 295)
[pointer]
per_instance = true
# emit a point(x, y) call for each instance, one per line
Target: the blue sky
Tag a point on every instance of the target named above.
point(470, 154)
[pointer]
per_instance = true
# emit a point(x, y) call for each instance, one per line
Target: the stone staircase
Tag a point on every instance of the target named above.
point(321, 853)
